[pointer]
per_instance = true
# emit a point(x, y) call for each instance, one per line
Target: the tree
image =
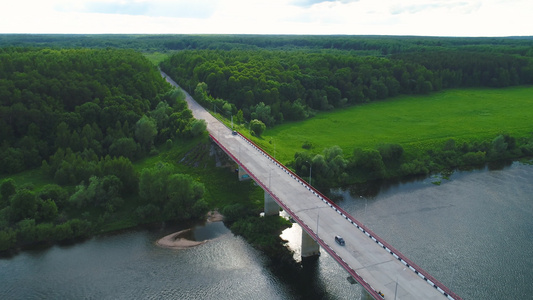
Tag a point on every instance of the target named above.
point(368, 162)
point(124, 170)
point(126, 147)
point(200, 92)
point(177, 196)
point(145, 131)
point(499, 146)
point(8, 238)
point(390, 152)
point(239, 118)
point(7, 189)
point(46, 211)
point(257, 127)
point(54, 192)
point(101, 191)
point(198, 127)
point(23, 205)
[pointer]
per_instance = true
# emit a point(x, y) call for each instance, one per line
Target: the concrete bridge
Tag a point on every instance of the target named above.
point(382, 270)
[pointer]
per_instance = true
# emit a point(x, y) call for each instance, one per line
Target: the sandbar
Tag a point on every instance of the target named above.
point(176, 240)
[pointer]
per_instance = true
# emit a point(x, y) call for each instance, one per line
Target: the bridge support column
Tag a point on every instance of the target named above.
point(243, 175)
point(309, 246)
point(271, 207)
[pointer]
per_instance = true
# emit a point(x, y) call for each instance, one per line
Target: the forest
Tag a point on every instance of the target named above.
point(268, 83)
point(82, 116)
point(362, 45)
point(273, 85)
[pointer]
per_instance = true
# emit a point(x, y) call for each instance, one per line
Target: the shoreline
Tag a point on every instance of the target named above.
point(176, 241)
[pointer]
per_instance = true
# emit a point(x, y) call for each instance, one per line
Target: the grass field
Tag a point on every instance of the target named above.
point(157, 57)
point(417, 123)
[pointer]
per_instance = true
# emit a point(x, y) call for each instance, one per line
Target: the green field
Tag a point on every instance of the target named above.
point(417, 123)
point(157, 57)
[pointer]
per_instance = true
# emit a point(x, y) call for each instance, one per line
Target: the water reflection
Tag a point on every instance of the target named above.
point(472, 232)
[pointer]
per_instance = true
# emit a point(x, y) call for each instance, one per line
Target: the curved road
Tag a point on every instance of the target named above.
point(367, 259)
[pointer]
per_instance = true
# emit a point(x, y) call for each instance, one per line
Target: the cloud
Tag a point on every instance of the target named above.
point(200, 9)
point(122, 8)
point(461, 7)
point(389, 17)
point(309, 3)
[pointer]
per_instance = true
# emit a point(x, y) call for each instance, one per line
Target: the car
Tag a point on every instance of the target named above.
point(234, 132)
point(339, 240)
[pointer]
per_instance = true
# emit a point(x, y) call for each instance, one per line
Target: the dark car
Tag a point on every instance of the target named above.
point(339, 240)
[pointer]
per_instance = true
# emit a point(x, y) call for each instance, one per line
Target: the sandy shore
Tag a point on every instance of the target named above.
point(176, 241)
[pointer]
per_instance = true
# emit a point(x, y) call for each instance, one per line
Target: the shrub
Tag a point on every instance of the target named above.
point(257, 127)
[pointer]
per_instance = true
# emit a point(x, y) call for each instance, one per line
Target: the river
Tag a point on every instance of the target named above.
point(473, 232)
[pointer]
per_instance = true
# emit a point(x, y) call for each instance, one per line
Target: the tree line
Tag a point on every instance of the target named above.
point(82, 116)
point(360, 45)
point(273, 86)
point(333, 168)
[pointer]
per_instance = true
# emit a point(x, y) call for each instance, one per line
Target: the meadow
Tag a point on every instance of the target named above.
point(417, 123)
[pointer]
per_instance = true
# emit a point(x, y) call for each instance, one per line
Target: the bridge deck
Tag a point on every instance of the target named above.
point(366, 257)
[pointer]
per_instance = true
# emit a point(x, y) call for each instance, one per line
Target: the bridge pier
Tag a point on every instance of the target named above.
point(271, 207)
point(309, 246)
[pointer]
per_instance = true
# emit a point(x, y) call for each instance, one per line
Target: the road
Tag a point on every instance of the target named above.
point(362, 256)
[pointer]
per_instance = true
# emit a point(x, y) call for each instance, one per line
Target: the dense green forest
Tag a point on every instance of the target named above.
point(367, 45)
point(82, 116)
point(274, 85)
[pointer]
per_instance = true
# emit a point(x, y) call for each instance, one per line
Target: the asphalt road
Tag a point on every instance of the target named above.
point(381, 270)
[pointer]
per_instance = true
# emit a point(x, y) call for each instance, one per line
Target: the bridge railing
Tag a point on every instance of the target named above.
point(419, 271)
point(306, 227)
point(394, 252)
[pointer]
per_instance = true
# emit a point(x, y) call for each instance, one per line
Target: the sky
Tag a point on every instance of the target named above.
point(353, 17)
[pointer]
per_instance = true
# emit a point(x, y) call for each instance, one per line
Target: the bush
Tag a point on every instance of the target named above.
point(8, 239)
point(390, 152)
point(257, 127)
point(23, 205)
point(474, 158)
point(54, 192)
point(198, 127)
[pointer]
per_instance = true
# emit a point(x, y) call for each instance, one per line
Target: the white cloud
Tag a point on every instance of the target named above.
point(387, 17)
point(155, 8)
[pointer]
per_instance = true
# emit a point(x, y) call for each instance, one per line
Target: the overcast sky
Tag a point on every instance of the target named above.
point(381, 17)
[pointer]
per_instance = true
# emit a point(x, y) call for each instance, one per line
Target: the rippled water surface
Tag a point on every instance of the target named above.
point(474, 233)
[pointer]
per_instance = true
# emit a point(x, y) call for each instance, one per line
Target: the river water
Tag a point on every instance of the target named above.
point(473, 232)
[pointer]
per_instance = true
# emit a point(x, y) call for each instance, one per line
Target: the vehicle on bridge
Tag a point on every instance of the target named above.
point(339, 240)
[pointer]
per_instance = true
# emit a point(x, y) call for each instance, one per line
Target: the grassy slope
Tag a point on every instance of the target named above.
point(418, 123)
